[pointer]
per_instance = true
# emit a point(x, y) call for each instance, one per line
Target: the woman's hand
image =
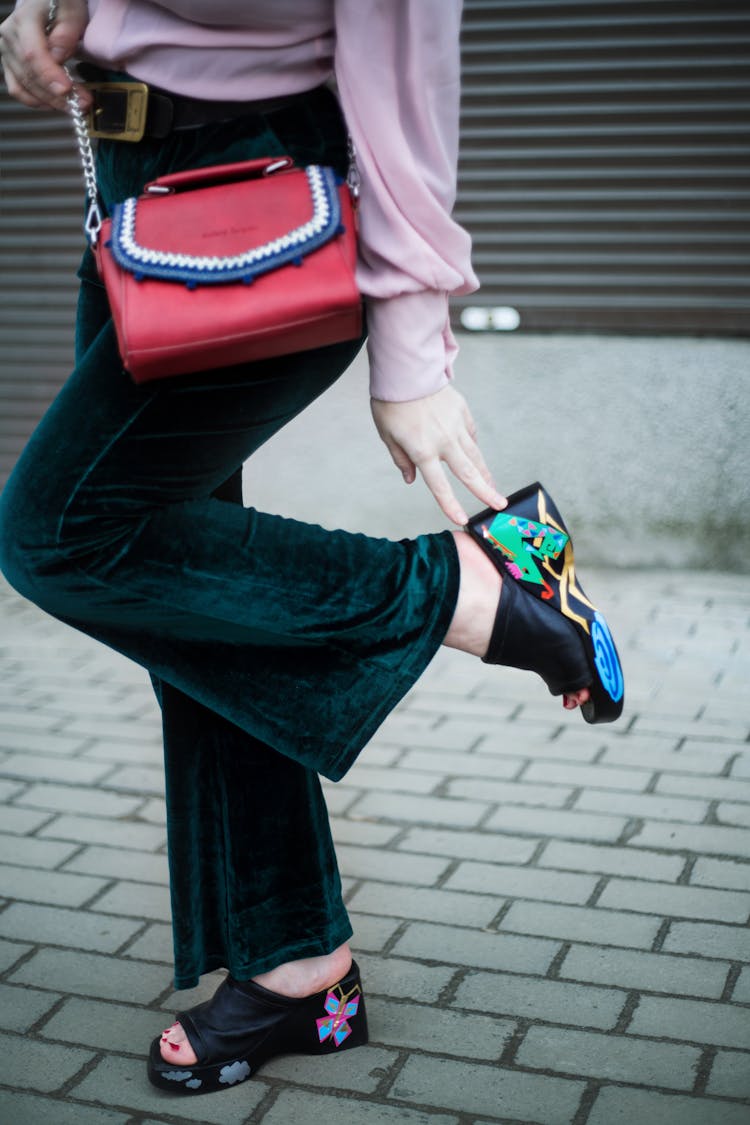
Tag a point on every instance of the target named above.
point(32, 59)
point(427, 432)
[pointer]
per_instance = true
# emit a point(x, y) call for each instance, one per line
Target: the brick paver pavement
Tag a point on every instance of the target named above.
point(551, 918)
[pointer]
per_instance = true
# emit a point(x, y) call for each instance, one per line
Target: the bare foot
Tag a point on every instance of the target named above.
point(295, 979)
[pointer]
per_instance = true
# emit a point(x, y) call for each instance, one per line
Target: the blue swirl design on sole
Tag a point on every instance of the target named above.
point(605, 659)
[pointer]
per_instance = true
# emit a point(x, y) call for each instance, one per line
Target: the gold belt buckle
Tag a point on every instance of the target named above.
point(136, 104)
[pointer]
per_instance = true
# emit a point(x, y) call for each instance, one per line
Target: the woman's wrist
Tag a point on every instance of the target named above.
point(410, 346)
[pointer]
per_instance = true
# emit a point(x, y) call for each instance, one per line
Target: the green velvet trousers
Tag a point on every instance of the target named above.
point(276, 648)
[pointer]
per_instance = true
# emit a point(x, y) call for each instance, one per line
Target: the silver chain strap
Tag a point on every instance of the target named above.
point(353, 178)
point(93, 222)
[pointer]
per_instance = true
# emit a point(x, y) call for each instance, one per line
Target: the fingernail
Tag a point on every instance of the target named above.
point(57, 88)
point(58, 54)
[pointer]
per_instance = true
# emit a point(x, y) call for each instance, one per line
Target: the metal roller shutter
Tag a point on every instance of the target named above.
point(40, 245)
point(604, 177)
point(605, 163)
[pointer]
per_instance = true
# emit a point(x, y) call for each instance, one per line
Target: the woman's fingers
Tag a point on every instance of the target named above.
point(473, 452)
point(433, 432)
point(32, 59)
point(33, 78)
point(464, 459)
point(433, 473)
point(434, 477)
point(475, 477)
point(20, 58)
point(402, 461)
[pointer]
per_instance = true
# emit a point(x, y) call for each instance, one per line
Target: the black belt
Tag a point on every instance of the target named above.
point(125, 109)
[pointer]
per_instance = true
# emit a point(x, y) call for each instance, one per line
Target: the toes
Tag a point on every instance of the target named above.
point(173, 1052)
point(175, 1046)
point(167, 1049)
point(575, 699)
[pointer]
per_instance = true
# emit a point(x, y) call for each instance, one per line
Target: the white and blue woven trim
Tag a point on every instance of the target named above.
point(191, 269)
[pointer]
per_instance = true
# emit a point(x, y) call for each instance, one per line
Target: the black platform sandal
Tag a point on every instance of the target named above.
point(570, 648)
point(244, 1025)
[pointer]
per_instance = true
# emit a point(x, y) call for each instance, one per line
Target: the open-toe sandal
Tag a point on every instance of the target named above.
point(244, 1025)
point(544, 621)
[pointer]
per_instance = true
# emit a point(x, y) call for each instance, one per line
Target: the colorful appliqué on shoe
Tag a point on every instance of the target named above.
point(340, 1007)
point(521, 541)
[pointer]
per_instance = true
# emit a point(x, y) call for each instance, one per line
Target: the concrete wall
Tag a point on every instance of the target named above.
point(643, 441)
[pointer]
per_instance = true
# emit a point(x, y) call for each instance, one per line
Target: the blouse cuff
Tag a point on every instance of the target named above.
point(410, 345)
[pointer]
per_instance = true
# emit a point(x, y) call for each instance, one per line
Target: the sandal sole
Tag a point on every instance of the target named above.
point(328, 1022)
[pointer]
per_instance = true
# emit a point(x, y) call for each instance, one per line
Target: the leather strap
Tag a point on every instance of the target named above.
point(167, 112)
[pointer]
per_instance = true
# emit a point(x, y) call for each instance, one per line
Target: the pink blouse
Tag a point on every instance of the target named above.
point(397, 68)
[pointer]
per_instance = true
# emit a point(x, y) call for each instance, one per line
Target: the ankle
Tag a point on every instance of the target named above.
point(478, 597)
point(305, 977)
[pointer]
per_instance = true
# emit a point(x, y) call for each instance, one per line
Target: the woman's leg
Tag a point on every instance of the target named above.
point(254, 883)
point(236, 902)
point(253, 875)
point(110, 521)
point(284, 912)
point(110, 524)
point(121, 535)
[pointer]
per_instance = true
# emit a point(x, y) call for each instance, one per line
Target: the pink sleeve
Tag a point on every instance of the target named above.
point(398, 74)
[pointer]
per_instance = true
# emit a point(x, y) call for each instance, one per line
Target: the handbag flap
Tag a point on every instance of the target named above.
point(290, 215)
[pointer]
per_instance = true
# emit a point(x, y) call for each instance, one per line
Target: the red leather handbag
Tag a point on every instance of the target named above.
point(228, 264)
